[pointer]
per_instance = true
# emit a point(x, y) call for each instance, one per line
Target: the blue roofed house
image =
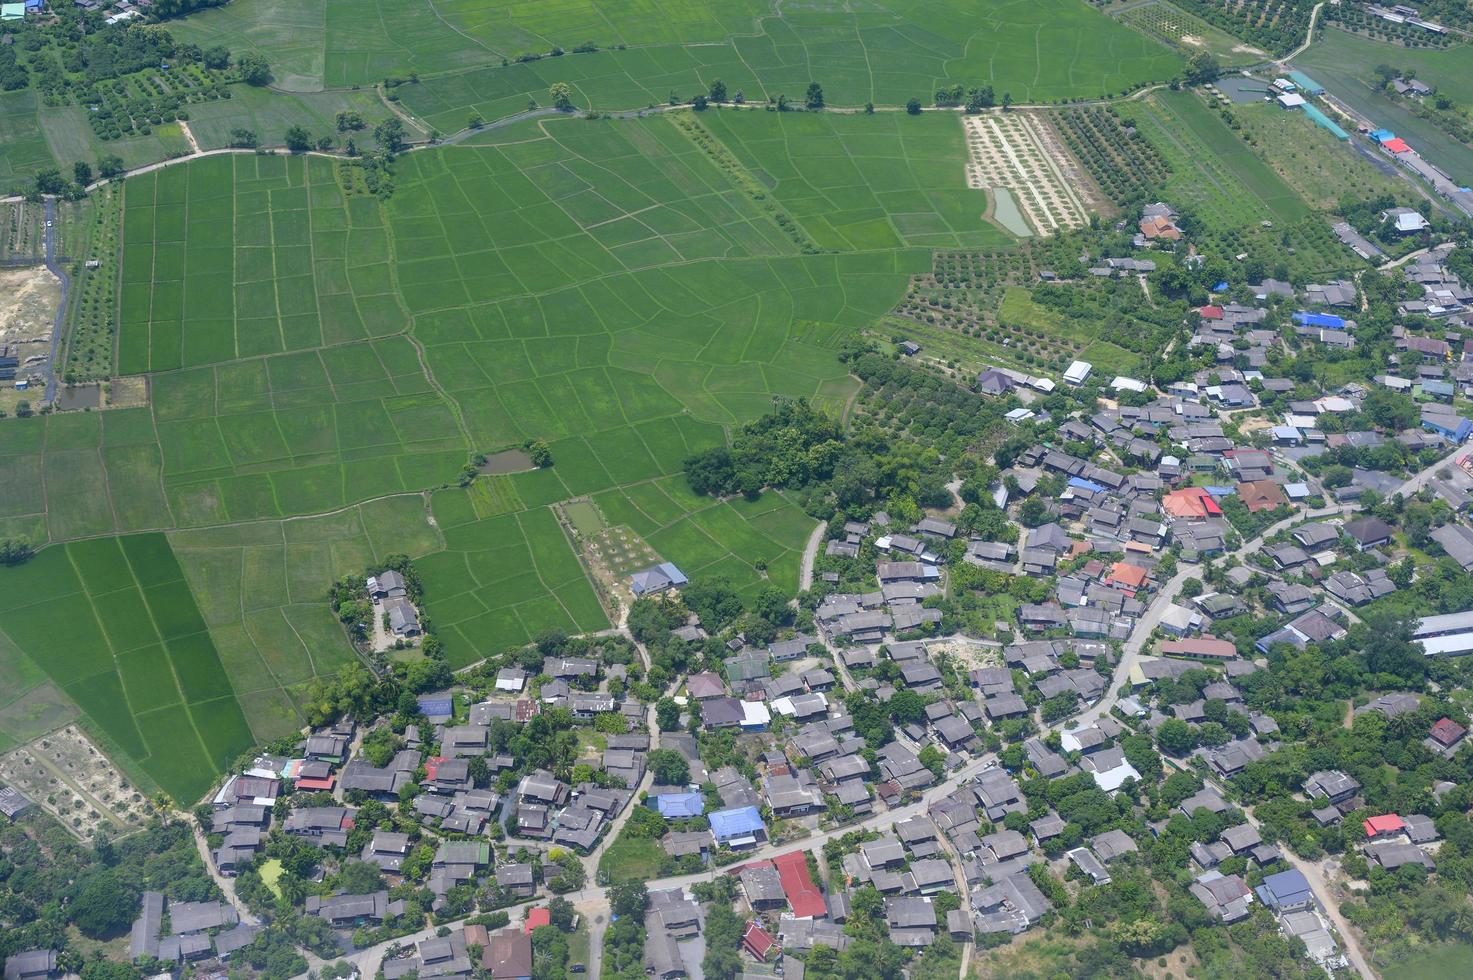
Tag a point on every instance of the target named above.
point(737, 827)
point(677, 806)
point(657, 578)
point(1287, 891)
point(1327, 320)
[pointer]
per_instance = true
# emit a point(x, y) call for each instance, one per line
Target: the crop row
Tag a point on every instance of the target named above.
point(1120, 161)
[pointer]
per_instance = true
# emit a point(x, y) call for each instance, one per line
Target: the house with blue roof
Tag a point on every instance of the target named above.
point(437, 707)
point(1287, 891)
point(1327, 320)
point(678, 806)
point(737, 827)
point(1080, 483)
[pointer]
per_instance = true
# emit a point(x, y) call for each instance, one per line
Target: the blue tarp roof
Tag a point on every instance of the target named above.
point(1083, 484)
point(1382, 135)
point(1220, 286)
point(1320, 320)
point(1220, 491)
point(680, 804)
point(1455, 427)
point(740, 822)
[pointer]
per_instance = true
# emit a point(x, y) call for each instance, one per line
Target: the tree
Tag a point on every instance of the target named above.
point(15, 551)
point(104, 905)
point(50, 181)
point(349, 119)
point(814, 98)
point(216, 57)
point(717, 92)
point(668, 766)
point(359, 878)
point(562, 96)
point(667, 714)
point(253, 69)
point(1175, 737)
point(1007, 101)
point(390, 134)
point(298, 140)
point(913, 106)
point(932, 759)
point(109, 167)
point(243, 138)
point(1201, 68)
point(627, 898)
point(82, 173)
point(475, 121)
point(698, 103)
point(540, 454)
point(561, 912)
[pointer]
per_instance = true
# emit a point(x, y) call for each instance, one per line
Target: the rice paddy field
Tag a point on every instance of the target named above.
point(1037, 49)
point(113, 623)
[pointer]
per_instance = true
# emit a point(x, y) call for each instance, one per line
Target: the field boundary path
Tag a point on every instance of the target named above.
point(58, 326)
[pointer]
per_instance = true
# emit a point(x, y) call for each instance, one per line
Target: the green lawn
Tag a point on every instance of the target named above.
point(631, 859)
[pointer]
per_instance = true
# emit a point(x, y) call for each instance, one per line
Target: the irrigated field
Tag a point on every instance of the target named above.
point(1038, 50)
point(113, 623)
point(863, 182)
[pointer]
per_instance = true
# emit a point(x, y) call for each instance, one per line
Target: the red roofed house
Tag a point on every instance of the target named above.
point(1126, 577)
point(539, 916)
point(757, 942)
point(1210, 312)
point(1383, 826)
point(432, 767)
point(804, 897)
point(1397, 145)
point(1190, 502)
point(1447, 733)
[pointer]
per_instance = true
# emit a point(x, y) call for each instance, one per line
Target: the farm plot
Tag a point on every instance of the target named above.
point(647, 49)
point(863, 182)
point(72, 780)
point(262, 591)
point(113, 623)
point(1010, 151)
point(1122, 164)
point(1188, 33)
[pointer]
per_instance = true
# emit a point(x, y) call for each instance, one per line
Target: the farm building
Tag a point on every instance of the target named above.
point(657, 578)
point(1078, 373)
point(1291, 100)
point(1306, 84)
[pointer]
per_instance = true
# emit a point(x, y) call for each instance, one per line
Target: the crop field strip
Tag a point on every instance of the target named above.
point(885, 54)
point(1188, 32)
point(1008, 151)
point(114, 624)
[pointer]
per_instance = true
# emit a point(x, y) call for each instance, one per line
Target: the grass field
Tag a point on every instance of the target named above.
point(859, 182)
point(113, 623)
point(1038, 50)
point(631, 859)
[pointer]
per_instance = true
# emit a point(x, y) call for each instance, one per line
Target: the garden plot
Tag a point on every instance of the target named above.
point(70, 778)
point(1009, 151)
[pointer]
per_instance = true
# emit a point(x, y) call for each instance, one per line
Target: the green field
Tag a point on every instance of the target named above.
point(859, 183)
point(112, 622)
point(1037, 49)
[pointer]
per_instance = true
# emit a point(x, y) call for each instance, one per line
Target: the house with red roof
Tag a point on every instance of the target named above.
point(1383, 826)
point(802, 894)
point(1127, 577)
point(756, 941)
point(1191, 503)
point(1211, 312)
point(1445, 737)
point(537, 917)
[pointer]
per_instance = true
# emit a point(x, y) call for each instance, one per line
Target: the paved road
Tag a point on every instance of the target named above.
point(810, 552)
